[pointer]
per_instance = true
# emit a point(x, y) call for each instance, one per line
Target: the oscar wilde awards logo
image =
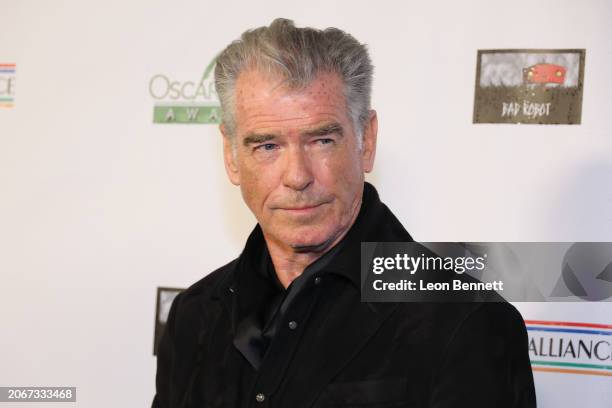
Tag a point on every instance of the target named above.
point(529, 86)
point(185, 101)
point(7, 85)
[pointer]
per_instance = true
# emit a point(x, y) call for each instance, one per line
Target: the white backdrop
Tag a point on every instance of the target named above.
point(99, 206)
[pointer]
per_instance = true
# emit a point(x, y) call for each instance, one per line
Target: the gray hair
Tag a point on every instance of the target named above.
point(297, 55)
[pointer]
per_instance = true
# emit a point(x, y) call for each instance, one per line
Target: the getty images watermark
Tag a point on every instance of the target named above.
point(494, 271)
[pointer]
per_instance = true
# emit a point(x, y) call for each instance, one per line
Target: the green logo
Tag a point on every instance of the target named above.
point(185, 101)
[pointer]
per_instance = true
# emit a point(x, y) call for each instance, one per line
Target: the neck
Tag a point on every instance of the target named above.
point(290, 265)
point(289, 262)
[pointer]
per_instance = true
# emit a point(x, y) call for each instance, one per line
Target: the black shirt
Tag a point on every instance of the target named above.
point(259, 328)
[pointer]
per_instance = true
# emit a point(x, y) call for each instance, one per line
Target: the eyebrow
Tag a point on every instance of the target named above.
point(253, 138)
point(326, 129)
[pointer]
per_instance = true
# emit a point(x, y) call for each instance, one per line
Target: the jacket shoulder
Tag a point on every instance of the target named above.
point(206, 286)
point(190, 305)
point(445, 322)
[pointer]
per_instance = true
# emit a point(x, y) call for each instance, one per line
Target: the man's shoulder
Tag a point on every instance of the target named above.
point(197, 304)
point(210, 283)
point(204, 291)
point(499, 316)
point(460, 312)
point(444, 320)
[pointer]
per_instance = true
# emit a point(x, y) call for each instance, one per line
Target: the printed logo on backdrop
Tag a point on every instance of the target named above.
point(165, 297)
point(586, 272)
point(186, 101)
point(529, 86)
point(570, 347)
point(7, 85)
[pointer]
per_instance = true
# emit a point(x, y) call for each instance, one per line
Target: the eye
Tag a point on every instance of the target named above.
point(325, 141)
point(266, 147)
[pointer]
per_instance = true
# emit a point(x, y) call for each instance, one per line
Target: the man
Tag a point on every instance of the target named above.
point(282, 325)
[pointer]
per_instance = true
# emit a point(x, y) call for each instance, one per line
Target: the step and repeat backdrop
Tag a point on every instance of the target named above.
point(494, 126)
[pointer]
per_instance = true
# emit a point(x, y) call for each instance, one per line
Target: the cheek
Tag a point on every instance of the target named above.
point(256, 185)
point(343, 171)
point(342, 177)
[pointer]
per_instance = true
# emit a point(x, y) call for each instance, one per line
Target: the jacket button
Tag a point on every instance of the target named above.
point(260, 397)
point(292, 325)
point(317, 280)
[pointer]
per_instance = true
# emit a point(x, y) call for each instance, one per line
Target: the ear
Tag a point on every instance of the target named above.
point(369, 142)
point(229, 158)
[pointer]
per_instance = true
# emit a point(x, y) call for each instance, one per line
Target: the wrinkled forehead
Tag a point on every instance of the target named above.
point(255, 82)
point(263, 95)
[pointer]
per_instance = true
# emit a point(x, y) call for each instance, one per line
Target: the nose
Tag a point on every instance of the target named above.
point(297, 174)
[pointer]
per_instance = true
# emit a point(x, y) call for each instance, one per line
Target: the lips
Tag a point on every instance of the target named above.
point(302, 209)
point(306, 207)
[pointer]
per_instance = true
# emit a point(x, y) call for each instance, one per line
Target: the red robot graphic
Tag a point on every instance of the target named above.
point(544, 74)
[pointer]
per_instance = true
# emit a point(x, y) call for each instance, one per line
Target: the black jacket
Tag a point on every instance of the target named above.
point(346, 353)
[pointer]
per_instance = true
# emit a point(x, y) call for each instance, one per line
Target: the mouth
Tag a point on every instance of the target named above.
point(304, 209)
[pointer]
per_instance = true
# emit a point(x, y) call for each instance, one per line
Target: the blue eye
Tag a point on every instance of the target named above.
point(325, 141)
point(266, 146)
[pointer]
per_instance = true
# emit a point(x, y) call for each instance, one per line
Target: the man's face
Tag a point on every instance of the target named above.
point(297, 159)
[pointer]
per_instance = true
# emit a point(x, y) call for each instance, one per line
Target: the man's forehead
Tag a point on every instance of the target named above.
point(254, 84)
point(265, 101)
